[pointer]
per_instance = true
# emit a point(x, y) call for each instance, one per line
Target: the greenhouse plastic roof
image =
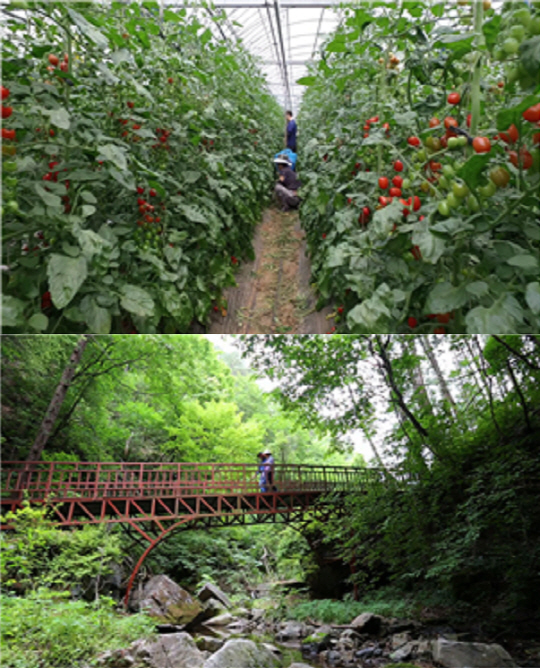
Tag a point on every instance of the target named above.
point(283, 34)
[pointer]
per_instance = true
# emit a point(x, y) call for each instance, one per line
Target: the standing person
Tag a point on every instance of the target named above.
point(262, 472)
point(290, 134)
point(269, 466)
point(287, 186)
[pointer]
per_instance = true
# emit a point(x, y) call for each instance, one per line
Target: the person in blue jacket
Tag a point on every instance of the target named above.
point(291, 132)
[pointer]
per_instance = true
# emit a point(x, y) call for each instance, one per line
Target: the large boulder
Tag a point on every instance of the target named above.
point(367, 622)
point(212, 608)
point(167, 602)
point(221, 620)
point(451, 654)
point(292, 630)
point(239, 653)
point(209, 591)
point(174, 649)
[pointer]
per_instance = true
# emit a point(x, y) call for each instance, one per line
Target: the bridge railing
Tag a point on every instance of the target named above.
point(57, 481)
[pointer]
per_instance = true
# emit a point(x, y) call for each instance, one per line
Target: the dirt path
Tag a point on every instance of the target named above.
point(274, 295)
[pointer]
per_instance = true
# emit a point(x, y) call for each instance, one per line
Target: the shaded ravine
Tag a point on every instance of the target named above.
point(273, 293)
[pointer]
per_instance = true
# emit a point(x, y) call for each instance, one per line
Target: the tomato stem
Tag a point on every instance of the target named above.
point(478, 11)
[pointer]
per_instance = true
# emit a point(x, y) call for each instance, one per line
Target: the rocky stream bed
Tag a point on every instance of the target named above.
point(206, 631)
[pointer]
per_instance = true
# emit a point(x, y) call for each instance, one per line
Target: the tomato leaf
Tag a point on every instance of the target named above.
point(136, 300)
point(47, 197)
point(472, 169)
point(445, 297)
point(307, 81)
point(39, 322)
point(96, 317)
point(506, 117)
point(115, 154)
point(88, 29)
point(66, 275)
point(529, 52)
point(524, 261)
point(502, 317)
point(12, 311)
point(532, 297)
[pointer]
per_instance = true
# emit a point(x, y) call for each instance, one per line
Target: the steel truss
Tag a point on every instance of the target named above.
point(153, 500)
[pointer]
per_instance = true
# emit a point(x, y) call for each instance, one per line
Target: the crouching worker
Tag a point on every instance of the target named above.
point(287, 186)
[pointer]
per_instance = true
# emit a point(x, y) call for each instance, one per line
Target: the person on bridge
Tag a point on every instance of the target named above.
point(269, 468)
point(287, 186)
point(262, 472)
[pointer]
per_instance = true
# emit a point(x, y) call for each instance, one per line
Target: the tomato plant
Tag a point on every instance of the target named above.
point(105, 104)
point(467, 154)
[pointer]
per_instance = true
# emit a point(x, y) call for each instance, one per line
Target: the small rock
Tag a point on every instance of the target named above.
point(300, 665)
point(240, 653)
point(209, 643)
point(220, 620)
point(333, 657)
point(365, 653)
point(403, 653)
point(272, 648)
point(367, 622)
point(424, 650)
point(452, 654)
point(209, 591)
point(399, 639)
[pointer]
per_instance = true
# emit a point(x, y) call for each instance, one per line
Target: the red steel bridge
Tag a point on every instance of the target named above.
point(151, 500)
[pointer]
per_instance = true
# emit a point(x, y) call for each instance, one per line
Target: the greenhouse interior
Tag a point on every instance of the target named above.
point(271, 166)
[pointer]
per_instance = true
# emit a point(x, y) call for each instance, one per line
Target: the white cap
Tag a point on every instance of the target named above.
point(282, 161)
point(267, 452)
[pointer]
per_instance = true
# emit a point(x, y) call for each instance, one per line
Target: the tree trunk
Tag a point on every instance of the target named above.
point(485, 379)
point(522, 400)
point(426, 345)
point(420, 389)
point(59, 395)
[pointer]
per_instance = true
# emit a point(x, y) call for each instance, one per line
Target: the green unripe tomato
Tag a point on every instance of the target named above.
point(406, 184)
point(453, 143)
point(458, 81)
point(448, 171)
point(510, 45)
point(12, 206)
point(534, 27)
point(8, 194)
point(11, 182)
point(444, 182)
point(443, 208)
point(452, 201)
point(517, 32)
point(512, 74)
point(462, 141)
point(472, 204)
point(422, 155)
point(9, 166)
point(488, 190)
point(460, 189)
point(522, 16)
point(499, 54)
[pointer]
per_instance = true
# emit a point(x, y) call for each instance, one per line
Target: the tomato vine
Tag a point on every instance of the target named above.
point(105, 105)
point(455, 89)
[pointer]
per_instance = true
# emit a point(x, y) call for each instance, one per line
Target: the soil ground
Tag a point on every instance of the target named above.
point(274, 295)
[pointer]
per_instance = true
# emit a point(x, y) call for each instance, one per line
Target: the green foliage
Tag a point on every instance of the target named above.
point(35, 554)
point(383, 76)
point(43, 630)
point(343, 612)
point(159, 104)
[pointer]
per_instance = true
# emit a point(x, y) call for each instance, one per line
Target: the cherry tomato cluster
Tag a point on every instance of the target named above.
point(163, 137)
point(149, 226)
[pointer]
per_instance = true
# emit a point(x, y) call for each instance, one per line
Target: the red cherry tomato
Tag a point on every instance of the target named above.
point(397, 181)
point(412, 322)
point(5, 93)
point(8, 134)
point(398, 166)
point(416, 203)
point(481, 145)
point(525, 158)
point(454, 98)
point(152, 192)
point(170, 80)
point(130, 104)
point(415, 250)
point(64, 67)
point(6, 111)
point(140, 190)
point(443, 317)
point(469, 117)
point(532, 114)
point(439, 330)
point(511, 136)
point(383, 182)
point(450, 122)
point(413, 141)
point(434, 122)
point(53, 59)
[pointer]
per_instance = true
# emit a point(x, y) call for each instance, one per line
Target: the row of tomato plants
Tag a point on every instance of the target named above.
point(422, 168)
point(135, 166)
